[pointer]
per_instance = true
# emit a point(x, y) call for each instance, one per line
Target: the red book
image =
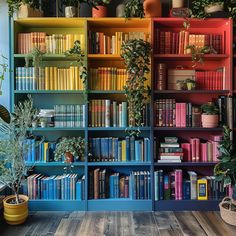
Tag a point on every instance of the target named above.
point(193, 149)
point(197, 145)
point(178, 114)
point(187, 151)
point(204, 152)
point(182, 114)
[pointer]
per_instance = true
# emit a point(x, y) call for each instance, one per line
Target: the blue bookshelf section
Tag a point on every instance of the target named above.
point(119, 205)
point(56, 205)
point(186, 205)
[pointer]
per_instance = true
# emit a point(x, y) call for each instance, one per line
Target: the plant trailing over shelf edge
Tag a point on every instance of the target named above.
point(3, 70)
point(134, 8)
point(225, 170)
point(13, 148)
point(14, 5)
point(78, 53)
point(136, 55)
point(73, 145)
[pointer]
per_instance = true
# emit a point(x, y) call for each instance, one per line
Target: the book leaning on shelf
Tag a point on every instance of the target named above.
point(173, 186)
point(119, 149)
point(56, 187)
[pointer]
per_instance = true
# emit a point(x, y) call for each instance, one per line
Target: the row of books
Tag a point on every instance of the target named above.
point(210, 80)
point(174, 186)
point(69, 116)
point(48, 78)
point(50, 44)
point(118, 149)
point(101, 43)
point(196, 150)
point(56, 187)
point(103, 184)
point(168, 42)
point(169, 113)
point(107, 78)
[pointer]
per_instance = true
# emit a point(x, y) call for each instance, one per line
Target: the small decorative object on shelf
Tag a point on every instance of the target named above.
point(120, 10)
point(71, 8)
point(134, 8)
point(152, 8)
point(99, 8)
point(24, 8)
point(71, 148)
point(12, 161)
point(225, 171)
point(180, 85)
point(210, 115)
point(177, 3)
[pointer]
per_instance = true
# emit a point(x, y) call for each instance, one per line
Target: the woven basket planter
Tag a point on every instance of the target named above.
point(228, 215)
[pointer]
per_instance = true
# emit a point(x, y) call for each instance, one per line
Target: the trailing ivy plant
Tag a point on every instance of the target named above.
point(3, 70)
point(79, 55)
point(36, 55)
point(136, 55)
point(225, 169)
point(134, 8)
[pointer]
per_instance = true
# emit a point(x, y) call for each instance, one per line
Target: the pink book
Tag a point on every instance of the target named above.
point(197, 150)
point(217, 138)
point(176, 186)
point(183, 115)
point(180, 184)
point(193, 149)
point(187, 151)
point(178, 114)
point(204, 152)
point(215, 151)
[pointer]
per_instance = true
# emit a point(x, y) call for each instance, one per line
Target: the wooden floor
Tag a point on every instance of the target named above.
point(120, 224)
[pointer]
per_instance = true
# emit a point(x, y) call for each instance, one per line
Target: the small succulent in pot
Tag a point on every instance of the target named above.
point(210, 115)
point(71, 148)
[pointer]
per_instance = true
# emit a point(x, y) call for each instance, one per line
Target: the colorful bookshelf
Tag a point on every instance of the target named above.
point(102, 39)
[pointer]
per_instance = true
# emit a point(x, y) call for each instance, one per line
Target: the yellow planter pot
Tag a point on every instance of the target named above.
point(15, 214)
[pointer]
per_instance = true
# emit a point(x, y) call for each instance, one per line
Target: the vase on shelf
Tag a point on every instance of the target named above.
point(71, 11)
point(177, 3)
point(120, 10)
point(25, 11)
point(101, 11)
point(152, 8)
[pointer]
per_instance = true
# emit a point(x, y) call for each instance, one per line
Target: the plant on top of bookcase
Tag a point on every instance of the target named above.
point(225, 171)
point(136, 55)
point(99, 8)
point(134, 8)
point(71, 148)
point(12, 159)
point(210, 115)
point(3, 70)
point(78, 53)
point(15, 5)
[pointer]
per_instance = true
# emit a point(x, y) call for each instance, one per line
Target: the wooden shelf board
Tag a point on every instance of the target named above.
point(104, 57)
point(114, 163)
point(54, 164)
point(187, 57)
point(192, 164)
point(191, 91)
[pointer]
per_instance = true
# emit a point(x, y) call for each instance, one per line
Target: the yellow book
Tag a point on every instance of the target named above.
point(202, 188)
point(66, 78)
point(82, 41)
point(76, 78)
point(55, 78)
point(47, 84)
point(64, 43)
point(81, 85)
point(45, 151)
point(72, 78)
point(51, 87)
point(59, 86)
point(123, 150)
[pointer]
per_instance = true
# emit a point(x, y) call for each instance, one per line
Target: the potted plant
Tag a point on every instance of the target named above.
point(71, 8)
point(136, 55)
point(71, 149)
point(99, 8)
point(25, 8)
point(190, 83)
point(210, 115)
point(134, 8)
point(180, 85)
point(12, 160)
point(152, 8)
point(3, 70)
point(225, 171)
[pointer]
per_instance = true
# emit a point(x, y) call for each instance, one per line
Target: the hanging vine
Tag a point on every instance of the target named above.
point(136, 55)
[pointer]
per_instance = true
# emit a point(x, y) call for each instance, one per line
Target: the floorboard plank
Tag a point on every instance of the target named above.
point(189, 224)
point(167, 224)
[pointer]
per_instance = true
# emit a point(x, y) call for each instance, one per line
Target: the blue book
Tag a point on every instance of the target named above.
point(79, 190)
point(110, 150)
point(111, 183)
point(98, 148)
point(33, 157)
point(117, 187)
point(119, 150)
point(186, 190)
point(132, 148)
point(131, 186)
point(161, 185)
point(137, 145)
point(124, 114)
point(127, 144)
point(141, 185)
point(156, 186)
point(149, 185)
point(55, 188)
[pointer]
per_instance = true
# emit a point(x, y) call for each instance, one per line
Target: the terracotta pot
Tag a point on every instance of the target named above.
point(71, 12)
point(101, 12)
point(213, 8)
point(152, 8)
point(69, 157)
point(15, 214)
point(26, 11)
point(210, 121)
point(177, 3)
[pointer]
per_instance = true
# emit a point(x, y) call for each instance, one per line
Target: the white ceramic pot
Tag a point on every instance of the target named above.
point(120, 10)
point(213, 8)
point(177, 3)
point(71, 12)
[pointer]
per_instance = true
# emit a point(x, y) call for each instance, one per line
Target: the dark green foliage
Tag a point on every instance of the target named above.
point(134, 8)
point(210, 109)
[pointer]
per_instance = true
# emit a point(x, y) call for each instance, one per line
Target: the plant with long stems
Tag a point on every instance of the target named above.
point(136, 55)
point(12, 146)
point(77, 52)
point(3, 70)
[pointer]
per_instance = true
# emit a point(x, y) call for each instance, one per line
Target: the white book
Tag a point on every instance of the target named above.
point(107, 113)
point(168, 161)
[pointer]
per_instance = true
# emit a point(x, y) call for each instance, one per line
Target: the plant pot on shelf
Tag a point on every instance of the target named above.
point(213, 8)
point(190, 85)
point(210, 121)
point(152, 8)
point(120, 10)
point(228, 210)
point(71, 11)
point(26, 11)
point(101, 11)
point(15, 214)
point(177, 3)
point(69, 158)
